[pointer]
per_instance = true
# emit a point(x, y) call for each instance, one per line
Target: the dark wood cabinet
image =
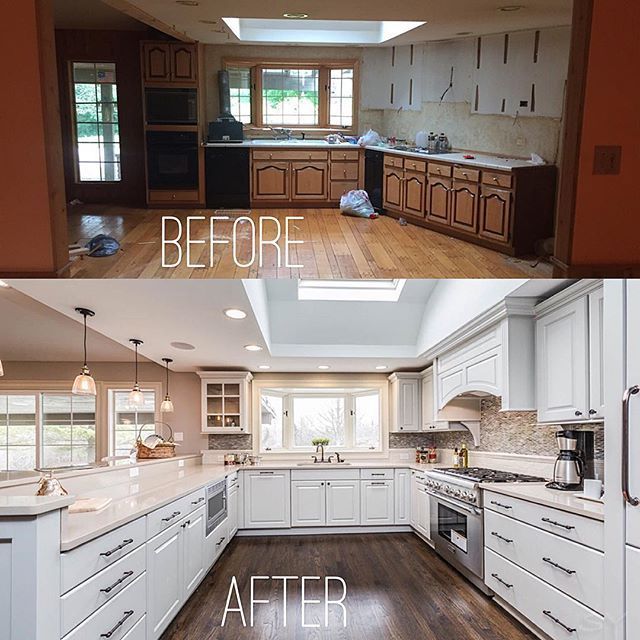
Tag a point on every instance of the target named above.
point(495, 214)
point(156, 62)
point(415, 185)
point(464, 205)
point(438, 209)
point(392, 188)
point(169, 63)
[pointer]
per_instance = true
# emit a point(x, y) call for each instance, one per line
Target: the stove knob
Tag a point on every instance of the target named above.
point(457, 493)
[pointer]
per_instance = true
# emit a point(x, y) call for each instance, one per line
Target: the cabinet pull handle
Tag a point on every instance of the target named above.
point(122, 545)
point(378, 483)
point(220, 541)
point(501, 581)
point(558, 524)
point(198, 501)
point(558, 566)
point(110, 588)
point(266, 473)
point(175, 514)
point(503, 506)
point(184, 525)
point(626, 399)
point(562, 624)
point(377, 474)
point(497, 535)
point(125, 617)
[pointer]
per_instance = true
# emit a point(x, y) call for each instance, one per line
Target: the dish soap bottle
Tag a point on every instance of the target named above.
point(456, 458)
point(464, 456)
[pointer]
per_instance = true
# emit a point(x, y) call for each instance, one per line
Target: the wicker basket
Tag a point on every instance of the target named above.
point(165, 449)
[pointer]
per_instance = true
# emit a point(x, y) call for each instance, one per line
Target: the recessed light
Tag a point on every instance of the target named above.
point(253, 347)
point(295, 16)
point(380, 367)
point(324, 367)
point(264, 366)
point(235, 314)
point(188, 3)
point(511, 7)
point(185, 346)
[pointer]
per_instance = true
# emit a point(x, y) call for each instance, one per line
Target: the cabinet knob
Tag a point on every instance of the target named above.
point(345, 173)
point(495, 179)
point(344, 155)
point(578, 413)
point(271, 156)
point(592, 412)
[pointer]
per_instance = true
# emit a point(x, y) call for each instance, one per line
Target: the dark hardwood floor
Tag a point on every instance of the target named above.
point(397, 588)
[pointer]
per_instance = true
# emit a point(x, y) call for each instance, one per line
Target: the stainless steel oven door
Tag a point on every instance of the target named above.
point(457, 534)
point(216, 505)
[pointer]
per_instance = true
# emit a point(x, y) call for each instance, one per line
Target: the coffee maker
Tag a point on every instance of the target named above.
point(575, 460)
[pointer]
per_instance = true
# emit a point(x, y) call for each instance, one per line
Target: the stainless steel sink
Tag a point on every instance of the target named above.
point(321, 465)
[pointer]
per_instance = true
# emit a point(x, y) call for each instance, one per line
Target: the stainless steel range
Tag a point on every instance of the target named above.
point(456, 522)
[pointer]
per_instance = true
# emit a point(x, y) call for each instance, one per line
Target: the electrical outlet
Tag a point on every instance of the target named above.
point(134, 473)
point(178, 436)
point(180, 463)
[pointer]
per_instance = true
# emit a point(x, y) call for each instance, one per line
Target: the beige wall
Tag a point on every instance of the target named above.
point(185, 389)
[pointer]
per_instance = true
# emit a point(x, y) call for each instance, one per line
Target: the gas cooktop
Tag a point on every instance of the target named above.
point(478, 474)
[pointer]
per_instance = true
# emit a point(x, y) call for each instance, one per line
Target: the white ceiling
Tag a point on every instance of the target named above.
point(445, 19)
point(296, 336)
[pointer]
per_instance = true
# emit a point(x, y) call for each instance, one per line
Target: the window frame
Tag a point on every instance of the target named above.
point(324, 66)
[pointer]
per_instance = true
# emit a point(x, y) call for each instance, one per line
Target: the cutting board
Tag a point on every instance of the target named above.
point(84, 505)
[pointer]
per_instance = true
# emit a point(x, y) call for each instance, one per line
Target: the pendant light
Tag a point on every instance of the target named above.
point(136, 397)
point(84, 384)
point(1, 369)
point(167, 405)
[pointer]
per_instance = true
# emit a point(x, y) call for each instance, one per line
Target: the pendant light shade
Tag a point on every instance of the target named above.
point(84, 384)
point(167, 405)
point(1, 369)
point(136, 397)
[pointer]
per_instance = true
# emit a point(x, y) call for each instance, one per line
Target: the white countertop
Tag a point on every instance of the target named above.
point(562, 500)
point(32, 505)
point(284, 144)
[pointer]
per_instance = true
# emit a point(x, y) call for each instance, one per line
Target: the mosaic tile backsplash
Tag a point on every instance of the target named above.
point(231, 441)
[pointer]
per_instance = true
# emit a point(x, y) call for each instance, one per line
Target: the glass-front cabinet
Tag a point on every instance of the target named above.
point(225, 401)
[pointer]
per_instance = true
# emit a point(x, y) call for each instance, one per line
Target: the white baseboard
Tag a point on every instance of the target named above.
point(325, 531)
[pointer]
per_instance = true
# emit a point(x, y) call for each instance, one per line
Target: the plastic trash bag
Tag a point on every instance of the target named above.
point(102, 245)
point(370, 139)
point(357, 203)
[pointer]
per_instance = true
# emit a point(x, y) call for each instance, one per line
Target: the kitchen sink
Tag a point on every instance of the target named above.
point(314, 465)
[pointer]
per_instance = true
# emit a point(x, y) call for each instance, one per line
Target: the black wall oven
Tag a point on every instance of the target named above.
point(172, 159)
point(171, 106)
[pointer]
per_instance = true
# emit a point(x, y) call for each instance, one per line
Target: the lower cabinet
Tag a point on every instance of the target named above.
point(376, 502)
point(308, 503)
point(193, 551)
point(343, 503)
point(402, 489)
point(495, 214)
point(420, 506)
point(215, 543)
point(233, 510)
point(333, 503)
point(267, 499)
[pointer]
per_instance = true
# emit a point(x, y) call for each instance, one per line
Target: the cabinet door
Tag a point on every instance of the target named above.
point(464, 206)
point(193, 551)
point(267, 500)
point(408, 404)
point(232, 511)
point(428, 407)
point(376, 502)
point(415, 185)
point(164, 579)
point(632, 619)
point(561, 363)
point(438, 191)
point(309, 180)
point(184, 67)
point(402, 489)
point(392, 188)
point(413, 512)
point(307, 503)
point(156, 62)
point(270, 180)
point(424, 513)
point(495, 214)
point(633, 378)
point(596, 355)
point(343, 503)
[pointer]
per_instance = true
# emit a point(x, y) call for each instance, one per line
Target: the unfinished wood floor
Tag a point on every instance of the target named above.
point(335, 246)
point(397, 589)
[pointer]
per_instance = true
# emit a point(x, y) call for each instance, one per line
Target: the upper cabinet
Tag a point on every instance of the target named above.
point(404, 401)
point(569, 345)
point(170, 63)
point(225, 402)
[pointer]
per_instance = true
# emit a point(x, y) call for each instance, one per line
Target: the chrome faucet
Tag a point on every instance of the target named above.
point(286, 134)
point(320, 448)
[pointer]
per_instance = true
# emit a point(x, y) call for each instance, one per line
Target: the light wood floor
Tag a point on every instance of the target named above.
point(397, 589)
point(335, 246)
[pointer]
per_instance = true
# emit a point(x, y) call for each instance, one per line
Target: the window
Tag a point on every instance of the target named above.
point(126, 420)
point(95, 105)
point(18, 430)
point(303, 95)
point(291, 418)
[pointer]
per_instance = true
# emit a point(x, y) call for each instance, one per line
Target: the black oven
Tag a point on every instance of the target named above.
point(171, 106)
point(172, 159)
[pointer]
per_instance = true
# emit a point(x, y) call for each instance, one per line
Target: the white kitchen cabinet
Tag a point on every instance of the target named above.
point(402, 487)
point(233, 507)
point(420, 511)
point(376, 502)
point(308, 503)
point(633, 588)
point(596, 354)
point(343, 503)
point(404, 403)
point(226, 402)
point(215, 543)
point(193, 551)
point(267, 499)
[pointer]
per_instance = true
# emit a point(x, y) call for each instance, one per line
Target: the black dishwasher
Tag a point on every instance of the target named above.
point(227, 177)
point(373, 168)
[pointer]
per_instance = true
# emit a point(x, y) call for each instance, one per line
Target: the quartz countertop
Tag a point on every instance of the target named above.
point(32, 505)
point(538, 493)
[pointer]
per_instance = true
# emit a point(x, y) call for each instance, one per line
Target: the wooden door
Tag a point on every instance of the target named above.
point(193, 551)
point(392, 188)
point(438, 191)
point(415, 185)
point(270, 180)
point(495, 214)
point(309, 181)
point(343, 503)
point(307, 503)
point(464, 206)
point(184, 67)
point(156, 62)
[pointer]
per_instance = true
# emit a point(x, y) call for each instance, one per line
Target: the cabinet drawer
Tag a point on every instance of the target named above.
point(415, 165)
point(394, 161)
point(86, 560)
point(575, 569)
point(338, 189)
point(138, 631)
point(437, 169)
point(376, 474)
point(462, 173)
point(215, 543)
point(548, 608)
point(345, 155)
point(173, 196)
point(580, 529)
point(325, 474)
point(233, 480)
point(294, 154)
point(344, 170)
point(117, 617)
point(161, 519)
point(504, 180)
point(79, 603)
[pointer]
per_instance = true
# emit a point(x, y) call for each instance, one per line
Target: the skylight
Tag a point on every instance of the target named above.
point(318, 31)
point(351, 290)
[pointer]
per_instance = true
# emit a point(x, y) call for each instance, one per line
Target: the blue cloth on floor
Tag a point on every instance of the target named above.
point(102, 245)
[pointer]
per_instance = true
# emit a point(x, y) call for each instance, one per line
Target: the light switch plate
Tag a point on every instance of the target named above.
point(134, 473)
point(178, 436)
point(180, 463)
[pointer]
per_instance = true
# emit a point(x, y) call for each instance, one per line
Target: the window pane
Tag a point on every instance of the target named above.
point(17, 432)
point(271, 420)
point(318, 417)
point(127, 420)
point(341, 97)
point(367, 421)
point(240, 89)
point(290, 96)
